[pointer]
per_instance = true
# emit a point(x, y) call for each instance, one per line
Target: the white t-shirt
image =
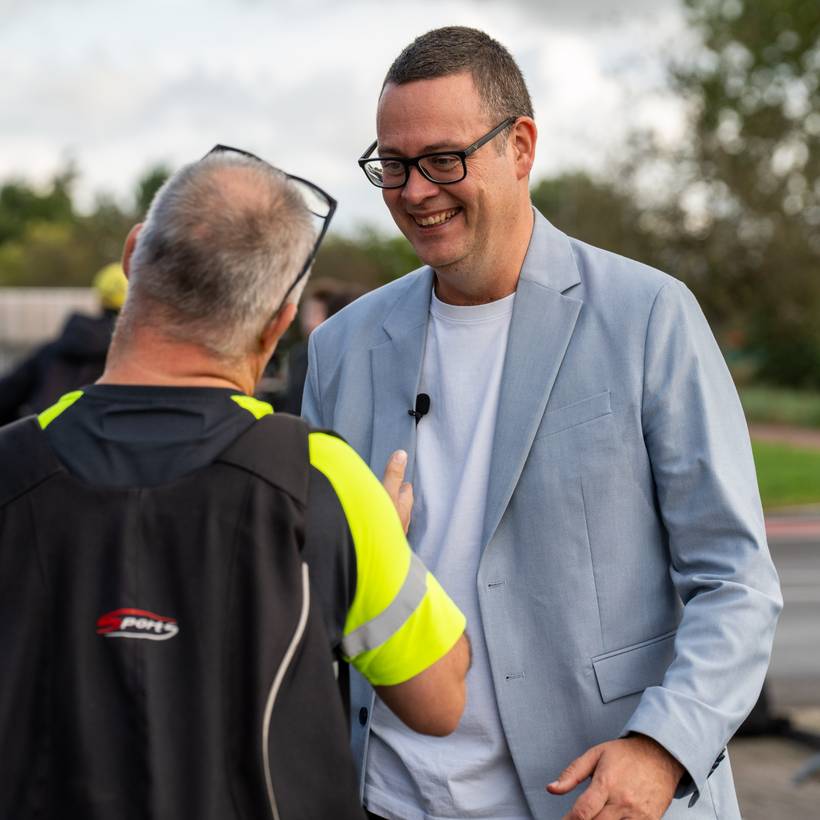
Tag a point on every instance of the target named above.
point(470, 773)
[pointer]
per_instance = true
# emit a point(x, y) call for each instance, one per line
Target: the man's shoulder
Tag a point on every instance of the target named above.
point(362, 321)
point(23, 445)
point(604, 273)
point(628, 298)
point(594, 275)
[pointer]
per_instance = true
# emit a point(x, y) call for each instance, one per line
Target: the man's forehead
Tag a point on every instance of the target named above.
point(428, 115)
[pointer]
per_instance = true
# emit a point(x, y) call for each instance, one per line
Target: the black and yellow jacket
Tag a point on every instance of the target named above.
point(167, 649)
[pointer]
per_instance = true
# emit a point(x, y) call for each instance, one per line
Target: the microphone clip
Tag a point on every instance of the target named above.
point(422, 407)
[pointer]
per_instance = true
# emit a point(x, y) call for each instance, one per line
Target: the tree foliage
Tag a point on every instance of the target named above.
point(599, 212)
point(148, 185)
point(20, 205)
point(368, 258)
point(749, 195)
point(45, 241)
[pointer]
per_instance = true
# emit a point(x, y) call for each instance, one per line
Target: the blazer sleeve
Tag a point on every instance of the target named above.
point(311, 402)
point(698, 444)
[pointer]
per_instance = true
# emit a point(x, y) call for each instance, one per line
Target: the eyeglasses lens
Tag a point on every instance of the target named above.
point(444, 168)
point(315, 202)
point(375, 170)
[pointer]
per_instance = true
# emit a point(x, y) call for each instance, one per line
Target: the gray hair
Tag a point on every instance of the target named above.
point(223, 241)
point(455, 49)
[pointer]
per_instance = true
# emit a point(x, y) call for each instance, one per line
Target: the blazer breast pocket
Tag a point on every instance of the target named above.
point(574, 414)
point(634, 668)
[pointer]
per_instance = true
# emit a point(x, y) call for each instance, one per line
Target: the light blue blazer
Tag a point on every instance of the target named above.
point(625, 582)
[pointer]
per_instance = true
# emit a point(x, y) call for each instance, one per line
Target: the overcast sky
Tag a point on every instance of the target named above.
point(118, 86)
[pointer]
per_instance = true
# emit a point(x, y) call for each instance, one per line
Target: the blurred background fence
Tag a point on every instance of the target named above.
point(30, 316)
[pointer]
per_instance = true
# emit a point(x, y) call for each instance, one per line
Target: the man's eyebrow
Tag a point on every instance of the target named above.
point(433, 147)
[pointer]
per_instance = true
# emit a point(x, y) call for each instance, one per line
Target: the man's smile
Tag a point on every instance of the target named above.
point(437, 218)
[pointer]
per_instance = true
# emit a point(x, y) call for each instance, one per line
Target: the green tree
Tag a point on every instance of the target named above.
point(21, 204)
point(748, 201)
point(391, 256)
point(47, 253)
point(149, 183)
point(45, 241)
point(369, 258)
point(601, 212)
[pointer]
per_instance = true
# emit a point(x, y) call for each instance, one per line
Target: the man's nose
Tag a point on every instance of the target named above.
point(418, 187)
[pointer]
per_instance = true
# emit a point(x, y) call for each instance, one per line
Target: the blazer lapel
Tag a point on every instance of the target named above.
point(542, 324)
point(396, 369)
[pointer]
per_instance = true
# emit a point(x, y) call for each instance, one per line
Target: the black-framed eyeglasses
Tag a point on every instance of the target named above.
point(441, 167)
point(318, 203)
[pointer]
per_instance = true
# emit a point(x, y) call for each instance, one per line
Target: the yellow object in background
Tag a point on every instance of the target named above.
point(111, 286)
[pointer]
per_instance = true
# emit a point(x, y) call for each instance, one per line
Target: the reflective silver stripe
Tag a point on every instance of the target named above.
point(377, 630)
point(277, 683)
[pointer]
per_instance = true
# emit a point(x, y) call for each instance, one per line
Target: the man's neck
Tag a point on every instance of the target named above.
point(148, 358)
point(457, 296)
point(496, 274)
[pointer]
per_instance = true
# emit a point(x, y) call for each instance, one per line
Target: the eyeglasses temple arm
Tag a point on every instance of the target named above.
point(369, 151)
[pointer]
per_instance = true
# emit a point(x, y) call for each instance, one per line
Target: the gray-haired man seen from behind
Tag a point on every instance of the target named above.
point(585, 486)
point(179, 568)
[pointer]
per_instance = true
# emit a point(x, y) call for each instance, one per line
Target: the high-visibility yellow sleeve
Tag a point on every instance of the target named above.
point(400, 621)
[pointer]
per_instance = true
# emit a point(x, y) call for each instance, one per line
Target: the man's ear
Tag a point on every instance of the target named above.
point(128, 248)
point(523, 138)
point(277, 326)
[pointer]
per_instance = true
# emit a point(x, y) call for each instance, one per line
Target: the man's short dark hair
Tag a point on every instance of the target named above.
point(455, 49)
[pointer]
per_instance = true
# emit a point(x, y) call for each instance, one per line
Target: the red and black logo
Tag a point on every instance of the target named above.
point(136, 623)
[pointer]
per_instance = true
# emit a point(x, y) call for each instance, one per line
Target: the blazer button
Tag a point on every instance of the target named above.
point(363, 716)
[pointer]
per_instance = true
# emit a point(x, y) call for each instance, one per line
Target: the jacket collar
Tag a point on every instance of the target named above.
point(549, 262)
point(542, 324)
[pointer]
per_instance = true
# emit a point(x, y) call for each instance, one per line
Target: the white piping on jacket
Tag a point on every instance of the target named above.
point(277, 683)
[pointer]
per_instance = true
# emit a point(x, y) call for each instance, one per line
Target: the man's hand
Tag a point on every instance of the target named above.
point(399, 490)
point(634, 778)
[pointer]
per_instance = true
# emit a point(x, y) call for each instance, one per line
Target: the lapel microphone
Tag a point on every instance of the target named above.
point(422, 407)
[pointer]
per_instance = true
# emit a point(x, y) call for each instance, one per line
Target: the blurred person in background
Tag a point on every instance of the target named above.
point(171, 611)
point(74, 359)
point(326, 298)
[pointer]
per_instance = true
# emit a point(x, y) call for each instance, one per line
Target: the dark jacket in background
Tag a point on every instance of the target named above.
point(75, 358)
point(297, 373)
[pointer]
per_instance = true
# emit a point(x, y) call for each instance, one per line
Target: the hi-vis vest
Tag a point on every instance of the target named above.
point(160, 654)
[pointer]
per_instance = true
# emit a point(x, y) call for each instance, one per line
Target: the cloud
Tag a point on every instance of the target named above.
point(120, 86)
point(583, 14)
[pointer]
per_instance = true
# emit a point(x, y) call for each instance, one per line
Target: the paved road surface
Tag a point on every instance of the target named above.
point(783, 434)
point(794, 676)
point(764, 767)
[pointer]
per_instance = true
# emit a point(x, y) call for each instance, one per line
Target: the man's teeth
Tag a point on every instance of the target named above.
point(436, 219)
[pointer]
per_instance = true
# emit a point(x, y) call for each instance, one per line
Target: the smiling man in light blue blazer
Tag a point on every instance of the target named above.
point(584, 483)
